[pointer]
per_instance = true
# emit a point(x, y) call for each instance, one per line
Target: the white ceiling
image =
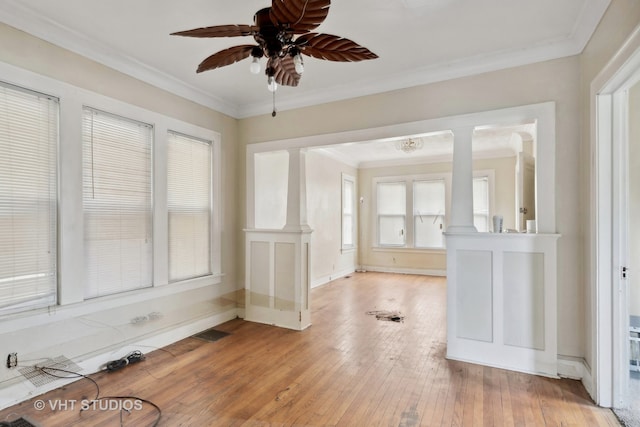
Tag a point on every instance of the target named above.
point(488, 142)
point(417, 41)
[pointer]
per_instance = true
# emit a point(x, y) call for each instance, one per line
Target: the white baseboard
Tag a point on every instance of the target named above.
point(571, 367)
point(323, 280)
point(23, 390)
point(418, 271)
point(577, 368)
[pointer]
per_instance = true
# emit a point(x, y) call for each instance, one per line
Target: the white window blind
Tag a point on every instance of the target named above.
point(348, 195)
point(28, 143)
point(391, 207)
point(117, 203)
point(481, 203)
point(428, 213)
point(189, 204)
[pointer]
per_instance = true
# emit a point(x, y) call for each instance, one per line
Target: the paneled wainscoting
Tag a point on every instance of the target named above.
point(347, 369)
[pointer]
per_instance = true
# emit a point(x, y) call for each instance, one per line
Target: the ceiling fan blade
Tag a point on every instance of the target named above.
point(285, 71)
point(225, 57)
point(220, 31)
point(333, 48)
point(300, 16)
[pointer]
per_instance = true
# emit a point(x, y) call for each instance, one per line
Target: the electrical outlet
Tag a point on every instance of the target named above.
point(12, 360)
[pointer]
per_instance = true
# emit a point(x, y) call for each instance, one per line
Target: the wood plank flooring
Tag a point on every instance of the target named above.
point(347, 369)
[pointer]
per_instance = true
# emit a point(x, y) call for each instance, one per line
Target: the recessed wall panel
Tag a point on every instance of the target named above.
point(524, 300)
point(260, 272)
point(285, 279)
point(474, 308)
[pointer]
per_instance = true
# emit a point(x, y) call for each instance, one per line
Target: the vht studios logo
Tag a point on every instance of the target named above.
point(89, 405)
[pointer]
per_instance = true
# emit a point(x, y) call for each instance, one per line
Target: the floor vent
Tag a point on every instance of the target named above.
point(211, 335)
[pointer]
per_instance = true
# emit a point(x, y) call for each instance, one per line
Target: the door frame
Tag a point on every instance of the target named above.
point(609, 221)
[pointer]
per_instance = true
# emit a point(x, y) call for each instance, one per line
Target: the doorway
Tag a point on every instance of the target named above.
point(616, 93)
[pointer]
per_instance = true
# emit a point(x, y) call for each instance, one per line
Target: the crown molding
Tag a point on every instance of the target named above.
point(570, 45)
point(23, 18)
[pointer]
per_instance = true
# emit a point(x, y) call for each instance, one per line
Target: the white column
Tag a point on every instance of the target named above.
point(297, 192)
point(462, 183)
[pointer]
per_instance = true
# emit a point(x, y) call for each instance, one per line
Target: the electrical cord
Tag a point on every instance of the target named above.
point(133, 357)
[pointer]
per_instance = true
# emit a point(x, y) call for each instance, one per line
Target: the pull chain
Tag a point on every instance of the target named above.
point(273, 114)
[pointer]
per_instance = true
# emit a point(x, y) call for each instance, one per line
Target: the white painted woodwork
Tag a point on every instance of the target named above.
point(502, 300)
point(474, 305)
point(297, 191)
point(462, 182)
point(277, 278)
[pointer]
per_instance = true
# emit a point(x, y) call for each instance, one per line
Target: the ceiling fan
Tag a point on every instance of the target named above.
point(282, 33)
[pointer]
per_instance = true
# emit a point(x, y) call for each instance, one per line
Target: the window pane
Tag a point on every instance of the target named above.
point(481, 203)
point(189, 205)
point(28, 142)
point(348, 195)
point(117, 203)
point(392, 198)
point(428, 211)
point(347, 230)
point(428, 197)
point(391, 230)
point(428, 231)
point(481, 222)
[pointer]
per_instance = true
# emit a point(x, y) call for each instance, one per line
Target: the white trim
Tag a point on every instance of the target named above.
point(22, 17)
point(354, 212)
point(323, 280)
point(545, 158)
point(618, 75)
point(569, 45)
point(23, 390)
point(571, 367)
point(417, 271)
point(30, 21)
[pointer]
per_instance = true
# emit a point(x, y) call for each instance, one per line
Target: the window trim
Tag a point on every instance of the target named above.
point(354, 213)
point(50, 299)
point(409, 227)
point(149, 209)
point(210, 143)
point(490, 174)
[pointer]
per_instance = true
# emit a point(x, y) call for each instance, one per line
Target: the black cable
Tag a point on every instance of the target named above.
point(157, 408)
point(44, 369)
point(134, 355)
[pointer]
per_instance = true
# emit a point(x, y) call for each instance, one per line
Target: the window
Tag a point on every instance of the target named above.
point(428, 213)
point(391, 208)
point(481, 203)
point(189, 205)
point(28, 142)
point(116, 180)
point(348, 212)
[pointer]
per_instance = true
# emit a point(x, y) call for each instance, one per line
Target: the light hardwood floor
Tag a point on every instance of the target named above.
point(347, 369)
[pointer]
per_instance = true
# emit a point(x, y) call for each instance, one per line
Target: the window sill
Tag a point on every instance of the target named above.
point(83, 308)
point(440, 251)
point(348, 250)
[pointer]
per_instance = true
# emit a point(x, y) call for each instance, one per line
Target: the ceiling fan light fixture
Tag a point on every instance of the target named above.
point(271, 84)
point(255, 66)
point(298, 63)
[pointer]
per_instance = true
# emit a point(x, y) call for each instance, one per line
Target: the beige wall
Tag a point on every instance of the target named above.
point(619, 21)
point(547, 81)
point(324, 207)
point(104, 327)
point(435, 260)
